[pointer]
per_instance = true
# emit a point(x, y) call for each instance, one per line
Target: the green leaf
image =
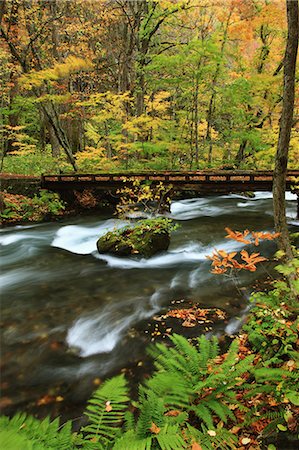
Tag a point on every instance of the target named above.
point(281, 427)
point(280, 254)
point(293, 396)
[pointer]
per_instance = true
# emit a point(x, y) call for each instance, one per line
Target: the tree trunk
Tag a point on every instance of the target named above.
point(196, 122)
point(241, 153)
point(53, 119)
point(54, 142)
point(281, 159)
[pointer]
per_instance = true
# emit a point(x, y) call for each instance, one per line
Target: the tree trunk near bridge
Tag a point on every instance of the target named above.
point(281, 159)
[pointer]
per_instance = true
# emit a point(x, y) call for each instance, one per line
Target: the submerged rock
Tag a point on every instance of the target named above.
point(145, 241)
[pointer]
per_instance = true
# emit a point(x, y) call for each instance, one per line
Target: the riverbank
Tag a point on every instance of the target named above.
point(43, 206)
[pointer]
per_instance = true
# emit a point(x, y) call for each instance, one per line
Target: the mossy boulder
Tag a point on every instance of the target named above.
point(146, 239)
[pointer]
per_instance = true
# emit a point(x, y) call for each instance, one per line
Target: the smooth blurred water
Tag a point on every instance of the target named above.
point(66, 311)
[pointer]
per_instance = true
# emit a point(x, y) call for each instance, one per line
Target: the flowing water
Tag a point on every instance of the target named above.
point(68, 312)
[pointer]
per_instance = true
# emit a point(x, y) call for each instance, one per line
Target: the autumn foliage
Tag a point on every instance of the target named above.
point(223, 262)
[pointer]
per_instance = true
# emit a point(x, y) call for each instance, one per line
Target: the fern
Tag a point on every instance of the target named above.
point(188, 379)
point(106, 410)
point(26, 432)
point(203, 413)
point(151, 411)
point(172, 387)
point(221, 410)
point(272, 374)
point(169, 438)
point(209, 350)
point(129, 441)
point(223, 439)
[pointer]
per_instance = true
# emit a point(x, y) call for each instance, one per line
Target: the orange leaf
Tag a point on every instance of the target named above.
point(173, 413)
point(45, 400)
point(154, 429)
point(196, 446)
point(237, 235)
point(218, 270)
point(238, 265)
point(108, 406)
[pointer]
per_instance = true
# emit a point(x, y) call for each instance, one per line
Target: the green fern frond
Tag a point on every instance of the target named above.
point(271, 374)
point(169, 438)
point(252, 390)
point(151, 411)
point(22, 432)
point(223, 439)
point(208, 350)
point(129, 421)
point(203, 413)
point(106, 410)
point(129, 441)
point(172, 387)
point(220, 409)
point(273, 415)
point(171, 360)
point(188, 351)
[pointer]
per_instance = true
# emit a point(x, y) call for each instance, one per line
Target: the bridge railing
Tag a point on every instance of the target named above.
point(169, 176)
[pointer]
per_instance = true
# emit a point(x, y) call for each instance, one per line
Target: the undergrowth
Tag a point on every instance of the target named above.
point(21, 208)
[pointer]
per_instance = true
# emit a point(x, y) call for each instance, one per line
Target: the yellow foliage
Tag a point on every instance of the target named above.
point(158, 103)
point(108, 106)
point(202, 130)
point(94, 159)
point(72, 64)
point(90, 153)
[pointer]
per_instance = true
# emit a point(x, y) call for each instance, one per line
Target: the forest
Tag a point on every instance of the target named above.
point(109, 85)
point(149, 236)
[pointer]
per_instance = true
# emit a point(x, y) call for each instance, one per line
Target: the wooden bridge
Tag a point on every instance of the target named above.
point(202, 182)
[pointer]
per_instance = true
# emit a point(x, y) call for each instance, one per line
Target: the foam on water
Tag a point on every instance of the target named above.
point(100, 332)
point(190, 253)
point(82, 240)
point(235, 324)
point(39, 238)
point(193, 208)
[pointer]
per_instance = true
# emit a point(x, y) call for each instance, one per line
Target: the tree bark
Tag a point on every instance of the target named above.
point(281, 159)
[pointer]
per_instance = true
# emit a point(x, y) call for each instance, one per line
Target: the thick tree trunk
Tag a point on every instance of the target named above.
point(281, 159)
point(54, 142)
point(53, 119)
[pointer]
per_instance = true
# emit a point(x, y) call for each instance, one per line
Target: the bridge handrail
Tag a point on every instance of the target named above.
point(207, 174)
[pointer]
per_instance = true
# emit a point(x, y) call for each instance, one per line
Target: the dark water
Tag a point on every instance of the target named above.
point(67, 313)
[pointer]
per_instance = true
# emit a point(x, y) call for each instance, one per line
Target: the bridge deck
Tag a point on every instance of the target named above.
point(199, 181)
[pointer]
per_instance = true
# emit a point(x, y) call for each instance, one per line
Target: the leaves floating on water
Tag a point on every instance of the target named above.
point(194, 315)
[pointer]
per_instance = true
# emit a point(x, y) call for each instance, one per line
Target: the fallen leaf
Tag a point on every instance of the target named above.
point(154, 429)
point(45, 400)
point(211, 433)
point(4, 402)
point(188, 323)
point(235, 430)
point(245, 441)
point(173, 413)
point(196, 446)
point(108, 406)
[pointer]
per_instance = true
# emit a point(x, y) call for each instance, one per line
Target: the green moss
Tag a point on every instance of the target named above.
point(147, 238)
